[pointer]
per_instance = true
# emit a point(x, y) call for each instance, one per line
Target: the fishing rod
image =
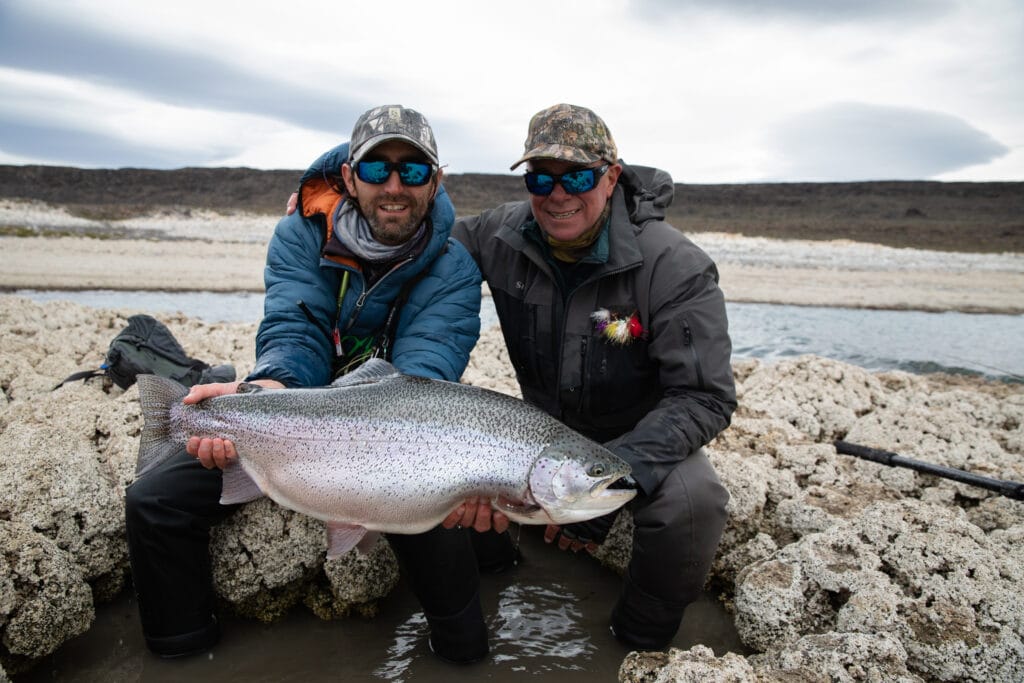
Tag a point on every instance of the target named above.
point(1010, 489)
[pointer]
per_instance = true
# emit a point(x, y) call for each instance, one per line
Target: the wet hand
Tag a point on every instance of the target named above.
point(216, 452)
point(566, 540)
point(212, 453)
point(478, 515)
point(201, 392)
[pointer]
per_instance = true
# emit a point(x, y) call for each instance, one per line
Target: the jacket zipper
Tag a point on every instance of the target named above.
point(365, 294)
point(584, 342)
point(688, 341)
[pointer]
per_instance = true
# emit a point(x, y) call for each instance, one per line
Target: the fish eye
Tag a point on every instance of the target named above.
point(597, 470)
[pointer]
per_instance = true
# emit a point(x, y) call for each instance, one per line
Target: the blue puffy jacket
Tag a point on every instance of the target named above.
point(437, 327)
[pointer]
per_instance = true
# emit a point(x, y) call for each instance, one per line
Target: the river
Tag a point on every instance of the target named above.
point(987, 345)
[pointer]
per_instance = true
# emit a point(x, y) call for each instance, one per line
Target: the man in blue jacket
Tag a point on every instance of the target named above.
point(365, 267)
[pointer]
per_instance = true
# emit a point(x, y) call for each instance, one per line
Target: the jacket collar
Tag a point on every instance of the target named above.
point(320, 198)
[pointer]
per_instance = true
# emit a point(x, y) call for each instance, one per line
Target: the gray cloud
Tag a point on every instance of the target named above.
point(34, 41)
point(853, 141)
point(57, 145)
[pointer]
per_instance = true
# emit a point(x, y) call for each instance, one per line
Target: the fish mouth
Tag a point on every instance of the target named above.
point(601, 490)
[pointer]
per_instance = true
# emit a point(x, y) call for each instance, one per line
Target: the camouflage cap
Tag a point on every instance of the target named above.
point(391, 122)
point(569, 133)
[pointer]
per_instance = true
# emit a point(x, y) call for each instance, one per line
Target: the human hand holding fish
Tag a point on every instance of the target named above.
point(478, 515)
point(379, 451)
point(553, 531)
point(216, 452)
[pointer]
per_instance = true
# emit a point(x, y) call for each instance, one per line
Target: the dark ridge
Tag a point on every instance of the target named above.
point(972, 217)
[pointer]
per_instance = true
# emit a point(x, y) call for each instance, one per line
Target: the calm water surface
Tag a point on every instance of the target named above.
point(914, 341)
point(548, 620)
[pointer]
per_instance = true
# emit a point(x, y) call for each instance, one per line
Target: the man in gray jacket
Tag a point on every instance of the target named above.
point(616, 326)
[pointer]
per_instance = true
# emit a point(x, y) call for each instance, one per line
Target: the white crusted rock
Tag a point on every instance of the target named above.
point(820, 397)
point(51, 481)
point(45, 598)
point(265, 556)
point(696, 665)
point(840, 657)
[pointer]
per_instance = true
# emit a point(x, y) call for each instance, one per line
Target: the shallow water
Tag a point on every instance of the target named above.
point(914, 341)
point(548, 619)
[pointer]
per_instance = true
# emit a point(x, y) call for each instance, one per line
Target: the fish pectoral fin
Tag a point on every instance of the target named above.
point(343, 537)
point(237, 486)
point(514, 507)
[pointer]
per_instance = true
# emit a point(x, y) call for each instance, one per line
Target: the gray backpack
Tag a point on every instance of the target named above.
point(147, 347)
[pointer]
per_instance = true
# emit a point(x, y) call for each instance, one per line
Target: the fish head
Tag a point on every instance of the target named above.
point(569, 481)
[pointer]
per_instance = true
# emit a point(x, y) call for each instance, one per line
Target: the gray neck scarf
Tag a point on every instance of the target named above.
point(354, 232)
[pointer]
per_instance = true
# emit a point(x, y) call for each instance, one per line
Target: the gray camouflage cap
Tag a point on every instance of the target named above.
point(569, 133)
point(391, 122)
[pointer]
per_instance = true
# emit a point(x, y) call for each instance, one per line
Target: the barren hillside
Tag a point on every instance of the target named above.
point(970, 217)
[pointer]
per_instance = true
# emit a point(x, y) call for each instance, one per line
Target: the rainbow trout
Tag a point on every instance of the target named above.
point(379, 451)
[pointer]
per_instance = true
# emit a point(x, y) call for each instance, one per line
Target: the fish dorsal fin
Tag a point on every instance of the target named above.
point(248, 388)
point(342, 537)
point(369, 372)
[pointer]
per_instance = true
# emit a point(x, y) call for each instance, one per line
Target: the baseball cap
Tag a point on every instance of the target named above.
point(392, 122)
point(571, 133)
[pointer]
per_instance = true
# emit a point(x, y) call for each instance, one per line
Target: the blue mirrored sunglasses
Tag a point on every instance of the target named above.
point(573, 182)
point(412, 173)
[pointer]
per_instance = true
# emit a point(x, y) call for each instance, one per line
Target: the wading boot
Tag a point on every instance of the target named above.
point(642, 622)
point(460, 638)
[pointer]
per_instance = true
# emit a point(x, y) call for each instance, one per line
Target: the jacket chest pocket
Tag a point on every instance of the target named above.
point(618, 378)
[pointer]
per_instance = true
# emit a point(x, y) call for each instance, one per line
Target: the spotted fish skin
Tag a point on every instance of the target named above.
point(388, 452)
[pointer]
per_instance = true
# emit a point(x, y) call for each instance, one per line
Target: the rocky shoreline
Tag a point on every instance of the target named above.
point(834, 568)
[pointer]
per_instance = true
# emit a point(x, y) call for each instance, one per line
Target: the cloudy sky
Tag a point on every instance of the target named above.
point(714, 91)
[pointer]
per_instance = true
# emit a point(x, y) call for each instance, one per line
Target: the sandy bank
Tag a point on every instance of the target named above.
point(189, 264)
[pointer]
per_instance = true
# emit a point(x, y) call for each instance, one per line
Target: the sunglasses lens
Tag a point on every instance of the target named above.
point(374, 172)
point(414, 173)
point(574, 182)
point(411, 173)
point(579, 181)
point(539, 183)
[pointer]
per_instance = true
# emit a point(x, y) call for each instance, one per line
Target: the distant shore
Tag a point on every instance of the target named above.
point(77, 263)
point(47, 247)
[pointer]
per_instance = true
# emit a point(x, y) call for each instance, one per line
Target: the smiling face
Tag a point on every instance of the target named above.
point(565, 216)
point(393, 210)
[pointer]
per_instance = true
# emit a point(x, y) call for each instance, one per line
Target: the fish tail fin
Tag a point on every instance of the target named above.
point(157, 395)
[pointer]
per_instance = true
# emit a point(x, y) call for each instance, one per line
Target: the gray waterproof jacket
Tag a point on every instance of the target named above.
point(658, 397)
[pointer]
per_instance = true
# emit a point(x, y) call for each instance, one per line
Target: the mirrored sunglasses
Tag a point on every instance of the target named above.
point(411, 173)
point(574, 182)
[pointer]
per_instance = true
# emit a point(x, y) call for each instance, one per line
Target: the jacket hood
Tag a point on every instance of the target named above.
point(327, 164)
point(648, 192)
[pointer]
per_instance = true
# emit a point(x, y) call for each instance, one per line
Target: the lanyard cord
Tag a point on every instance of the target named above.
point(335, 334)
